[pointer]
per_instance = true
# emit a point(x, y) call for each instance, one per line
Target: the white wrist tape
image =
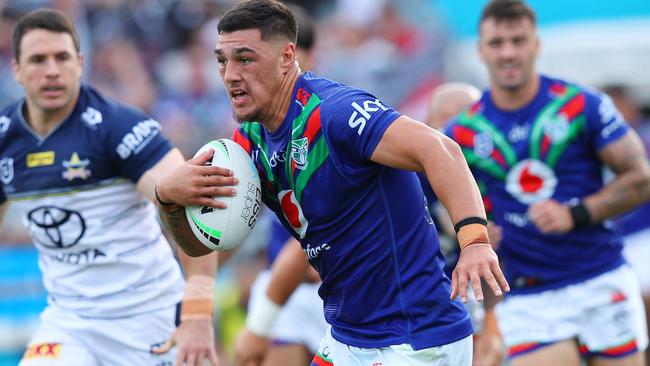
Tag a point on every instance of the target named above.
point(262, 316)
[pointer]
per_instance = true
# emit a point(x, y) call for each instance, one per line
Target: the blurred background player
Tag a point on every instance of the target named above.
point(300, 326)
point(539, 145)
point(447, 101)
point(635, 225)
point(344, 191)
point(82, 169)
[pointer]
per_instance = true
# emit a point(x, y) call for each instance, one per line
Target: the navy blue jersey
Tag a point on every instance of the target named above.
point(363, 226)
point(97, 236)
point(544, 150)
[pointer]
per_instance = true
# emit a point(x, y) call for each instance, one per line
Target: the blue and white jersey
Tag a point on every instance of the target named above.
point(100, 246)
point(363, 226)
point(547, 149)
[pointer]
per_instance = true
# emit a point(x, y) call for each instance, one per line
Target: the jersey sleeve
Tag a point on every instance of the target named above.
point(353, 125)
point(605, 124)
point(135, 143)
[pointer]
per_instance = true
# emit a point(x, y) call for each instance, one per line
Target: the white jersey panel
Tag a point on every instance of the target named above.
point(89, 256)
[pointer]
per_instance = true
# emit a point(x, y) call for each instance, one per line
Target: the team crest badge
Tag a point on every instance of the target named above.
point(299, 149)
point(293, 212)
point(4, 124)
point(530, 181)
point(483, 145)
point(76, 168)
point(556, 128)
point(6, 170)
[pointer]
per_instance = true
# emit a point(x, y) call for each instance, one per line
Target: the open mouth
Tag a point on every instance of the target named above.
point(238, 96)
point(52, 89)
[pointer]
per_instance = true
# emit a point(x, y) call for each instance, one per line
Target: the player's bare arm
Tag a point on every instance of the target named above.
point(195, 335)
point(409, 144)
point(3, 211)
point(630, 188)
point(288, 272)
point(191, 183)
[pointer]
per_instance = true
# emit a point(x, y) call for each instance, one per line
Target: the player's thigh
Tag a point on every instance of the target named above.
point(54, 348)
point(636, 359)
point(129, 340)
point(333, 352)
point(287, 355)
point(563, 353)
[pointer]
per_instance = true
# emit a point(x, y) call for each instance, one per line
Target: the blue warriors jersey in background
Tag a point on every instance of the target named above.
point(277, 240)
point(363, 226)
point(101, 249)
point(545, 150)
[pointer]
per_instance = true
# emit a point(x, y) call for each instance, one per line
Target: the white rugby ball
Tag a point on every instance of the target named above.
point(224, 229)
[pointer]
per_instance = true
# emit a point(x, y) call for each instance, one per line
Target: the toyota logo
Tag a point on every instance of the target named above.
point(56, 227)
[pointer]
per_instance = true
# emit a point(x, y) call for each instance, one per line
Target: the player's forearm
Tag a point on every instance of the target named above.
point(287, 273)
point(627, 191)
point(452, 181)
point(198, 266)
point(176, 223)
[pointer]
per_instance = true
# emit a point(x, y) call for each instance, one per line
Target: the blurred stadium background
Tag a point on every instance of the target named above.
point(157, 55)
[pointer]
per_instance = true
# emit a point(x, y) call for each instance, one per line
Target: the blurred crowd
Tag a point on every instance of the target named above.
point(157, 55)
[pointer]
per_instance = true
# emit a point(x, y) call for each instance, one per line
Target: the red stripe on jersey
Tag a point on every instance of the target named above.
point(242, 141)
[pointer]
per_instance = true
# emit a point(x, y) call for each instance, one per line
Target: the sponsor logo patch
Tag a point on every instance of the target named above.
point(44, 158)
point(43, 350)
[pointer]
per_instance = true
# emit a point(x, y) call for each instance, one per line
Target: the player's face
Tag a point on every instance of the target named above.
point(49, 69)
point(509, 50)
point(252, 71)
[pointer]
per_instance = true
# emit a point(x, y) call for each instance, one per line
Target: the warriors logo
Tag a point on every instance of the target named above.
point(299, 149)
point(530, 181)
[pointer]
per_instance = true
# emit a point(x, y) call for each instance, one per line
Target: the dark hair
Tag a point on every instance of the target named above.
point(306, 32)
point(507, 10)
point(271, 17)
point(48, 19)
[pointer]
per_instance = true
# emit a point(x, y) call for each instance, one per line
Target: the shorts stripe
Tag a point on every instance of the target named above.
point(320, 360)
point(524, 348)
point(622, 350)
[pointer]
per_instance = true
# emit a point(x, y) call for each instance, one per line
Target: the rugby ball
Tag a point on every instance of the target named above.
point(224, 229)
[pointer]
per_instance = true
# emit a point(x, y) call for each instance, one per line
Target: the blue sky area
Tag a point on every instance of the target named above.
point(463, 15)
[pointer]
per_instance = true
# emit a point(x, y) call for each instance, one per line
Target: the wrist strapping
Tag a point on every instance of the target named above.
point(165, 206)
point(197, 298)
point(580, 215)
point(472, 234)
point(261, 317)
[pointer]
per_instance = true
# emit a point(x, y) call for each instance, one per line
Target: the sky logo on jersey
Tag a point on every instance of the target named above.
point(43, 350)
point(6, 170)
point(44, 158)
point(76, 168)
point(361, 115)
point(299, 150)
point(531, 181)
point(293, 212)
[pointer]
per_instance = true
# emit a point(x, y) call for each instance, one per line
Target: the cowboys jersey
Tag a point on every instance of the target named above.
point(100, 246)
point(545, 150)
point(363, 226)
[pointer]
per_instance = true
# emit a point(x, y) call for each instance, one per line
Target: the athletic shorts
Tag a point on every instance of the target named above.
point(333, 352)
point(605, 314)
point(65, 339)
point(301, 320)
point(637, 254)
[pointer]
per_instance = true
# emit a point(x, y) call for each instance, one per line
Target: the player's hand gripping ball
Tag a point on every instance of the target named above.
point(224, 229)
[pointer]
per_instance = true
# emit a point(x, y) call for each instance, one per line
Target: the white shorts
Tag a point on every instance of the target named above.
point(65, 339)
point(335, 353)
point(301, 320)
point(637, 254)
point(605, 314)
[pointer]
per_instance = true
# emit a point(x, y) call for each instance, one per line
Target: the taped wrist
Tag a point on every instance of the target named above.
point(580, 215)
point(197, 298)
point(261, 317)
point(472, 234)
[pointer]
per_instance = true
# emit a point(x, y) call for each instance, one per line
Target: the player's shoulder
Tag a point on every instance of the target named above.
point(328, 91)
point(9, 115)
point(559, 86)
point(98, 111)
